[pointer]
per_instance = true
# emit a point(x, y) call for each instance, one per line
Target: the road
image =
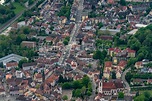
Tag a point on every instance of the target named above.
point(127, 87)
point(66, 51)
point(11, 21)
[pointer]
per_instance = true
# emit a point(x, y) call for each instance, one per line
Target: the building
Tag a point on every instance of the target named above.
point(28, 44)
point(110, 88)
point(10, 58)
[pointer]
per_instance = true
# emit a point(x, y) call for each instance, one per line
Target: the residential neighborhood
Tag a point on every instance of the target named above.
point(77, 50)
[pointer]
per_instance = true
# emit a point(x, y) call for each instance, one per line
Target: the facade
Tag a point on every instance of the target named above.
point(110, 87)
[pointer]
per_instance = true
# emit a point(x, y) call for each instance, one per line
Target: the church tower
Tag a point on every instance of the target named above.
point(100, 83)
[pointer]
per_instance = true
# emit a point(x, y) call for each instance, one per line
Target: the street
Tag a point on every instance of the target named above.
point(74, 32)
point(127, 87)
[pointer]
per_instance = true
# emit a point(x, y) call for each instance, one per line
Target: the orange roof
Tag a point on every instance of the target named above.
point(12, 64)
point(8, 76)
point(122, 63)
point(52, 78)
point(109, 85)
point(108, 64)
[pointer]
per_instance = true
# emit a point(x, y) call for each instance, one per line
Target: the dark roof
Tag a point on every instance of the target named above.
point(29, 64)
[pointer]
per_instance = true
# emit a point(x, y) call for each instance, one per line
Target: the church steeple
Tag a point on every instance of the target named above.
point(100, 82)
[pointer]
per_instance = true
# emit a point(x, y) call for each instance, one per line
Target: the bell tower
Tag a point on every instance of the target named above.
point(100, 83)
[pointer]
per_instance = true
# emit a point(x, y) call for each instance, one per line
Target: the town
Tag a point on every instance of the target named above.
point(76, 50)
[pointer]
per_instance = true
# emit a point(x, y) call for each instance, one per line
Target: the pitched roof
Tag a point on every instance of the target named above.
point(11, 64)
point(108, 64)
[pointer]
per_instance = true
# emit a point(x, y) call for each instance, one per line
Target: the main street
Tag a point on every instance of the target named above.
point(74, 32)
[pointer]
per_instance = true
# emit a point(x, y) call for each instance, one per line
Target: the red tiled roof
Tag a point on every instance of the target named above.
point(12, 64)
point(52, 78)
point(122, 63)
point(109, 85)
point(108, 64)
point(130, 51)
point(138, 63)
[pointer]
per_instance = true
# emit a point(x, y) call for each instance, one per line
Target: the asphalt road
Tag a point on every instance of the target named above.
point(127, 87)
point(11, 21)
point(66, 51)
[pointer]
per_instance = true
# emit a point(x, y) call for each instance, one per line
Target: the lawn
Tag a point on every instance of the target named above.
point(18, 7)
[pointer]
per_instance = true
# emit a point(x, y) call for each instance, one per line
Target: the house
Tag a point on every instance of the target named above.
point(131, 53)
point(52, 79)
point(28, 44)
point(138, 64)
point(149, 81)
point(118, 74)
point(29, 66)
point(108, 65)
point(106, 74)
point(19, 74)
point(62, 20)
point(15, 91)
point(11, 65)
point(2, 92)
point(122, 64)
point(84, 16)
point(137, 82)
point(73, 65)
point(38, 77)
point(21, 24)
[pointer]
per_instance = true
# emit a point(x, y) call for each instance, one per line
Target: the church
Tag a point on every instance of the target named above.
point(110, 87)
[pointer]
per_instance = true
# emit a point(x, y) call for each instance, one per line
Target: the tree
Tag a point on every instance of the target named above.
point(24, 60)
point(88, 93)
point(147, 95)
point(123, 2)
point(113, 75)
point(85, 80)
point(65, 97)
point(121, 95)
point(65, 42)
point(128, 77)
point(97, 54)
point(100, 25)
point(77, 93)
point(131, 61)
point(67, 85)
point(77, 84)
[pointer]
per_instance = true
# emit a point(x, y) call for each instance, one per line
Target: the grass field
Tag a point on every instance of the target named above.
point(18, 7)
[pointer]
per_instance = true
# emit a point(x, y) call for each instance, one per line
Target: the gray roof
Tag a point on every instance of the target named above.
point(11, 56)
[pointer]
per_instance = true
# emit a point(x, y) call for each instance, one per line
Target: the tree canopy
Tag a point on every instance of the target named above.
point(142, 43)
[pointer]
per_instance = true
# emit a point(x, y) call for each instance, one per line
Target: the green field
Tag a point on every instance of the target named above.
point(18, 7)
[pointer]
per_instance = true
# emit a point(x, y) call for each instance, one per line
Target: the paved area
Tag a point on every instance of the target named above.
point(68, 93)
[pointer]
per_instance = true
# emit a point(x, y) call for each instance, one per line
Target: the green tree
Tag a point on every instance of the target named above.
point(77, 84)
point(65, 97)
point(131, 61)
point(65, 42)
point(128, 77)
point(77, 93)
point(113, 75)
point(123, 2)
point(85, 80)
point(121, 95)
point(67, 85)
point(89, 93)
point(24, 60)
point(100, 25)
